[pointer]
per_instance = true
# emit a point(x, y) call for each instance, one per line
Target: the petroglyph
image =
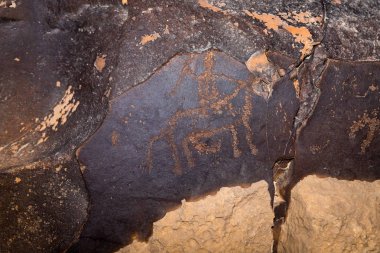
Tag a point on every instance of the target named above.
point(371, 122)
point(211, 103)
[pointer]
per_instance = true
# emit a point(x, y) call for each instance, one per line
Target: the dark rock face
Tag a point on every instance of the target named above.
point(352, 30)
point(341, 138)
point(43, 207)
point(236, 28)
point(48, 77)
point(51, 99)
point(194, 126)
point(154, 100)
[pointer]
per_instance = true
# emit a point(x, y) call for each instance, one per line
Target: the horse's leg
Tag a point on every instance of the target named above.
point(246, 116)
point(177, 162)
point(235, 141)
point(185, 145)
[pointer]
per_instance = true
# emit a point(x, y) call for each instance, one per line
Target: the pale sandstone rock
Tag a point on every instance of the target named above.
point(331, 215)
point(235, 219)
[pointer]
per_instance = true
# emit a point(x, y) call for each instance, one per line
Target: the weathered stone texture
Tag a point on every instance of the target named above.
point(43, 208)
point(331, 215)
point(231, 220)
point(160, 101)
point(341, 137)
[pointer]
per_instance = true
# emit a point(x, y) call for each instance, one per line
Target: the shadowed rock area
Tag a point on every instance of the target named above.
point(113, 113)
point(43, 207)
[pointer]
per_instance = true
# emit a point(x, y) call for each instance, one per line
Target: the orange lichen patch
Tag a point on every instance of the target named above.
point(265, 74)
point(270, 21)
point(124, 2)
point(60, 113)
point(258, 62)
point(301, 17)
point(300, 34)
point(17, 180)
point(306, 17)
point(149, 38)
point(205, 4)
point(100, 63)
point(373, 124)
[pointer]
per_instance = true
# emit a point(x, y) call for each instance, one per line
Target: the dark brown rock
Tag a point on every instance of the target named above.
point(186, 117)
point(196, 125)
point(43, 207)
point(49, 86)
point(341, 139)
point(196, 26)
point(352, 30)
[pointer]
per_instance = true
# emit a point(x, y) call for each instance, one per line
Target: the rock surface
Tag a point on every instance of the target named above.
point(341, 138)
point(43, 207)
point(331, 215)
point(196, 125)
point(49, 86)
point(160, 101)
point(231, 220)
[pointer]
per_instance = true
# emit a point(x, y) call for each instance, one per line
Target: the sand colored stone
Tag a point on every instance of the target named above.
point(331, 215)
point(235, 219)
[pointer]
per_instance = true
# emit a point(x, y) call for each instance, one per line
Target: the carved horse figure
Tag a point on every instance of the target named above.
point(211, 103)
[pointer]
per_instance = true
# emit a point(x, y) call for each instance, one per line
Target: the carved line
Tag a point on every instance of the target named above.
point(210, 103)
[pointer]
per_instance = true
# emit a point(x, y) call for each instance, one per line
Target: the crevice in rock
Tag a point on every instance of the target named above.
point(282, 178)
point(308, 75)
point(8, 20)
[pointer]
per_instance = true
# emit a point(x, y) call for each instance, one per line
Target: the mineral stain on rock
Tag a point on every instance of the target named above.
point(100, 63)
point(149, 38)
point(301, 34)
